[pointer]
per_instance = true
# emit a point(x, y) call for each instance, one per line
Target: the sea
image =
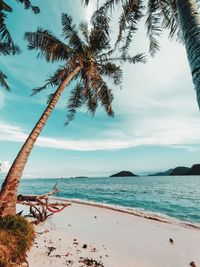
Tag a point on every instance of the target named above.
point(175, 197)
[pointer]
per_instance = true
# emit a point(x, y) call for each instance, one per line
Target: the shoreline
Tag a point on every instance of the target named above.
point(112, 238)
point(132, 211)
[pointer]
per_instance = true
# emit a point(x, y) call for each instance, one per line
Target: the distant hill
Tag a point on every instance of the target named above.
point(166, 173)
point(194, 170)
point(181, 170)
point(123, 174)
point(82, 177)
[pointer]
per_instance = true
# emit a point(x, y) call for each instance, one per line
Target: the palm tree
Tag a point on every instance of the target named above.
point(88, 61)
point(181, 17)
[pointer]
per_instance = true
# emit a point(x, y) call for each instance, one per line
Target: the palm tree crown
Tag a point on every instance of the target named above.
point(92, 53)
point(160, 14)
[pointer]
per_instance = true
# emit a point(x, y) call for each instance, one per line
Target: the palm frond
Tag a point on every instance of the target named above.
point(85, 31)
point(131, 14)
point(112, 71)
point(99, 38)
point(92, 103)
point(170, 18)
point(6, 49)
point(50, 97)
point(98, 91)
point(27, 5)
point(105, 96)
point(5, 7)
point(138, 58)
point(53, 80)
point(153, 24)
point(110, 4)
point(85, 2)
point(76, 100)
point(3, 82)
point(4, 33)
point(71, 34)
point(49, 46)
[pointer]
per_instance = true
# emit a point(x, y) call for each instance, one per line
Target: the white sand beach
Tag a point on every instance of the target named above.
point(112, 238)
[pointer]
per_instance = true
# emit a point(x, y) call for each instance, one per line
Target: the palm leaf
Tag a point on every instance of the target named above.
point(6, 49)
point(105, 96)
point(71, 34)
point(131, 14)
point(76, 100)
point(53, 80)
point(153, 24)
point(99, 36)
point(27, 5)
point(112, 71)
point(85, 31)
point(3, 82)
point(5, 7)
point(49, 46)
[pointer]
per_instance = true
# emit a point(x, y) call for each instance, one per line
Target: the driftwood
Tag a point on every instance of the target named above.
point(41, 207)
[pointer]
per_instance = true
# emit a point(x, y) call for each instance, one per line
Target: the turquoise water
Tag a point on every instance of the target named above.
point(177, 197)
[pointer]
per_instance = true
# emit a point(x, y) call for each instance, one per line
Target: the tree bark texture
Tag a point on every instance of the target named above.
point(189, 20)
point(8, 194)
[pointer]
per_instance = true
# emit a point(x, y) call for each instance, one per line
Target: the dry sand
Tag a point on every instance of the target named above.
point(112, 238)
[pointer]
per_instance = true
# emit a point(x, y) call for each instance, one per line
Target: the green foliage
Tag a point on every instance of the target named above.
point(92, 52)
point(16, 238)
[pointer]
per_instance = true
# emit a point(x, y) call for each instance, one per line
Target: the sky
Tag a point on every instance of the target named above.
point(156, 123)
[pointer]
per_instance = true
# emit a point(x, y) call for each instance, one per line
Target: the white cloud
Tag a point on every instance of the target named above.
point(152, 132)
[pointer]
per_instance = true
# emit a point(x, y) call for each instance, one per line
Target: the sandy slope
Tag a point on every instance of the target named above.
point(116, 239)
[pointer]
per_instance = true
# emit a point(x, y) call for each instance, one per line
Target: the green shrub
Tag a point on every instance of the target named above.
point(16, 238)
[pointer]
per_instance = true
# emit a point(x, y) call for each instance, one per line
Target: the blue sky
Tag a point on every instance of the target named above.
point(156, 125)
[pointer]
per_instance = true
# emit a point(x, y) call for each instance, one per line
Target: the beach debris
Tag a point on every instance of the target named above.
point(91, 262)
point(41, 207)
point(93, 250)
point(69, 262)
point(85, 246)
point(75, 243)
point(50, 250)
point(44, 232)
point(171, 241)
point(193, 264)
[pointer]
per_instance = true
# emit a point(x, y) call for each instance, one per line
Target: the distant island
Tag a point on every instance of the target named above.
point(80, 177)
point(123, 174)
point(181, 170)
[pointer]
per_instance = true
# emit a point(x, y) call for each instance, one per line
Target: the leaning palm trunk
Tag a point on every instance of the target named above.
point(8, 194)
point(189, 20)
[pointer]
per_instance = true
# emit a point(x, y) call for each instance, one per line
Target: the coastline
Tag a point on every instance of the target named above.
point(132, 211)
point(114, 238)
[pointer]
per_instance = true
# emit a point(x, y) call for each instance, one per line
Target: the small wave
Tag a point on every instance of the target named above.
point(133, 211)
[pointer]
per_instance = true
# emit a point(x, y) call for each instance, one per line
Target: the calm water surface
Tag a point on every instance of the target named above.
point(177, 196)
